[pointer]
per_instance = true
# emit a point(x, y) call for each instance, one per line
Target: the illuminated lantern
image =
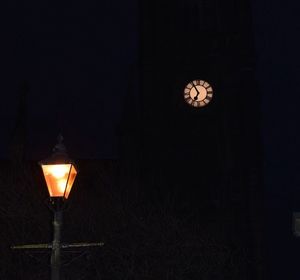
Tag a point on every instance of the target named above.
point(59, 171)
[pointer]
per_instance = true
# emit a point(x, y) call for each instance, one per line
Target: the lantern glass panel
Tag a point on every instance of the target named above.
point(71, 180)
point(56, 176)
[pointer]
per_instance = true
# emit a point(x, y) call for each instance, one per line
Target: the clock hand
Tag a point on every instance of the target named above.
point(196, 97)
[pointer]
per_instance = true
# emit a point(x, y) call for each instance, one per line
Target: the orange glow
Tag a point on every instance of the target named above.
point(59, 179)
point(198, 93)
point(59, 170)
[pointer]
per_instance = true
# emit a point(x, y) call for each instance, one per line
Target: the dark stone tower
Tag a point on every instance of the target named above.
point(208, 159)
point(186, 40)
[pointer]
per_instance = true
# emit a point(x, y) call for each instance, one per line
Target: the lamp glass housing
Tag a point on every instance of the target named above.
point(59, 178)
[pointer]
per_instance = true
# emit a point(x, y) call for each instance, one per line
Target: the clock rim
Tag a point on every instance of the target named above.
point(194, 85)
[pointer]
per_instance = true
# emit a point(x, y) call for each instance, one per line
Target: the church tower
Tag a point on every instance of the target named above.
point(207, 157)
point(206, 160)
point(182, 41)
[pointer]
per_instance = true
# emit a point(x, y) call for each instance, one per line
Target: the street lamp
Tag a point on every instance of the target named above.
point(60, 173)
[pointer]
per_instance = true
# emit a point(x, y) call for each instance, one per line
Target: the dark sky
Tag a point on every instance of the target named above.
point(277, 29)
point(78, 60)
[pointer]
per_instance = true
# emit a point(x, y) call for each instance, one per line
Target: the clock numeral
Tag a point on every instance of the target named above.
point(206, 84)
point(201, 82)
point(202, 104)
point(209, 94)
point(209, 89)
point(186, 90)
point(189, 86)
point(197, 82)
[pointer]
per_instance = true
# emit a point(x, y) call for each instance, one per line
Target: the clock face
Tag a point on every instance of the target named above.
point(198, 93)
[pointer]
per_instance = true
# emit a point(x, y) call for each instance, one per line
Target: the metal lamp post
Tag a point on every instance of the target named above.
point(60, 173)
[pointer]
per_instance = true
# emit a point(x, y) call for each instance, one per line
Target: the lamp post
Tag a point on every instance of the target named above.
point(60, 173)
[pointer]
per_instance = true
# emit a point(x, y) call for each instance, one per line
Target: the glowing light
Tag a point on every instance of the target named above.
point(59, 170)
point(61, 184)
point(59, 178)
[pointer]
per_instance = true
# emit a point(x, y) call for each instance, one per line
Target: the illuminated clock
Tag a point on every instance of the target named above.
point(198, 93)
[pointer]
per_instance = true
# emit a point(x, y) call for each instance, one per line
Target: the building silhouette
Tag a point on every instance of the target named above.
point(206, 161)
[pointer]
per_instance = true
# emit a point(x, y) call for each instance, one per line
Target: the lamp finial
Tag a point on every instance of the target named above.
point(60, 148)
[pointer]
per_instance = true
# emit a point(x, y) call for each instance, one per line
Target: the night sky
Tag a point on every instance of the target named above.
point(78, 60)
point(277, 29)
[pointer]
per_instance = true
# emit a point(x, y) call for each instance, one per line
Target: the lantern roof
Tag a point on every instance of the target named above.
point(59, 155)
